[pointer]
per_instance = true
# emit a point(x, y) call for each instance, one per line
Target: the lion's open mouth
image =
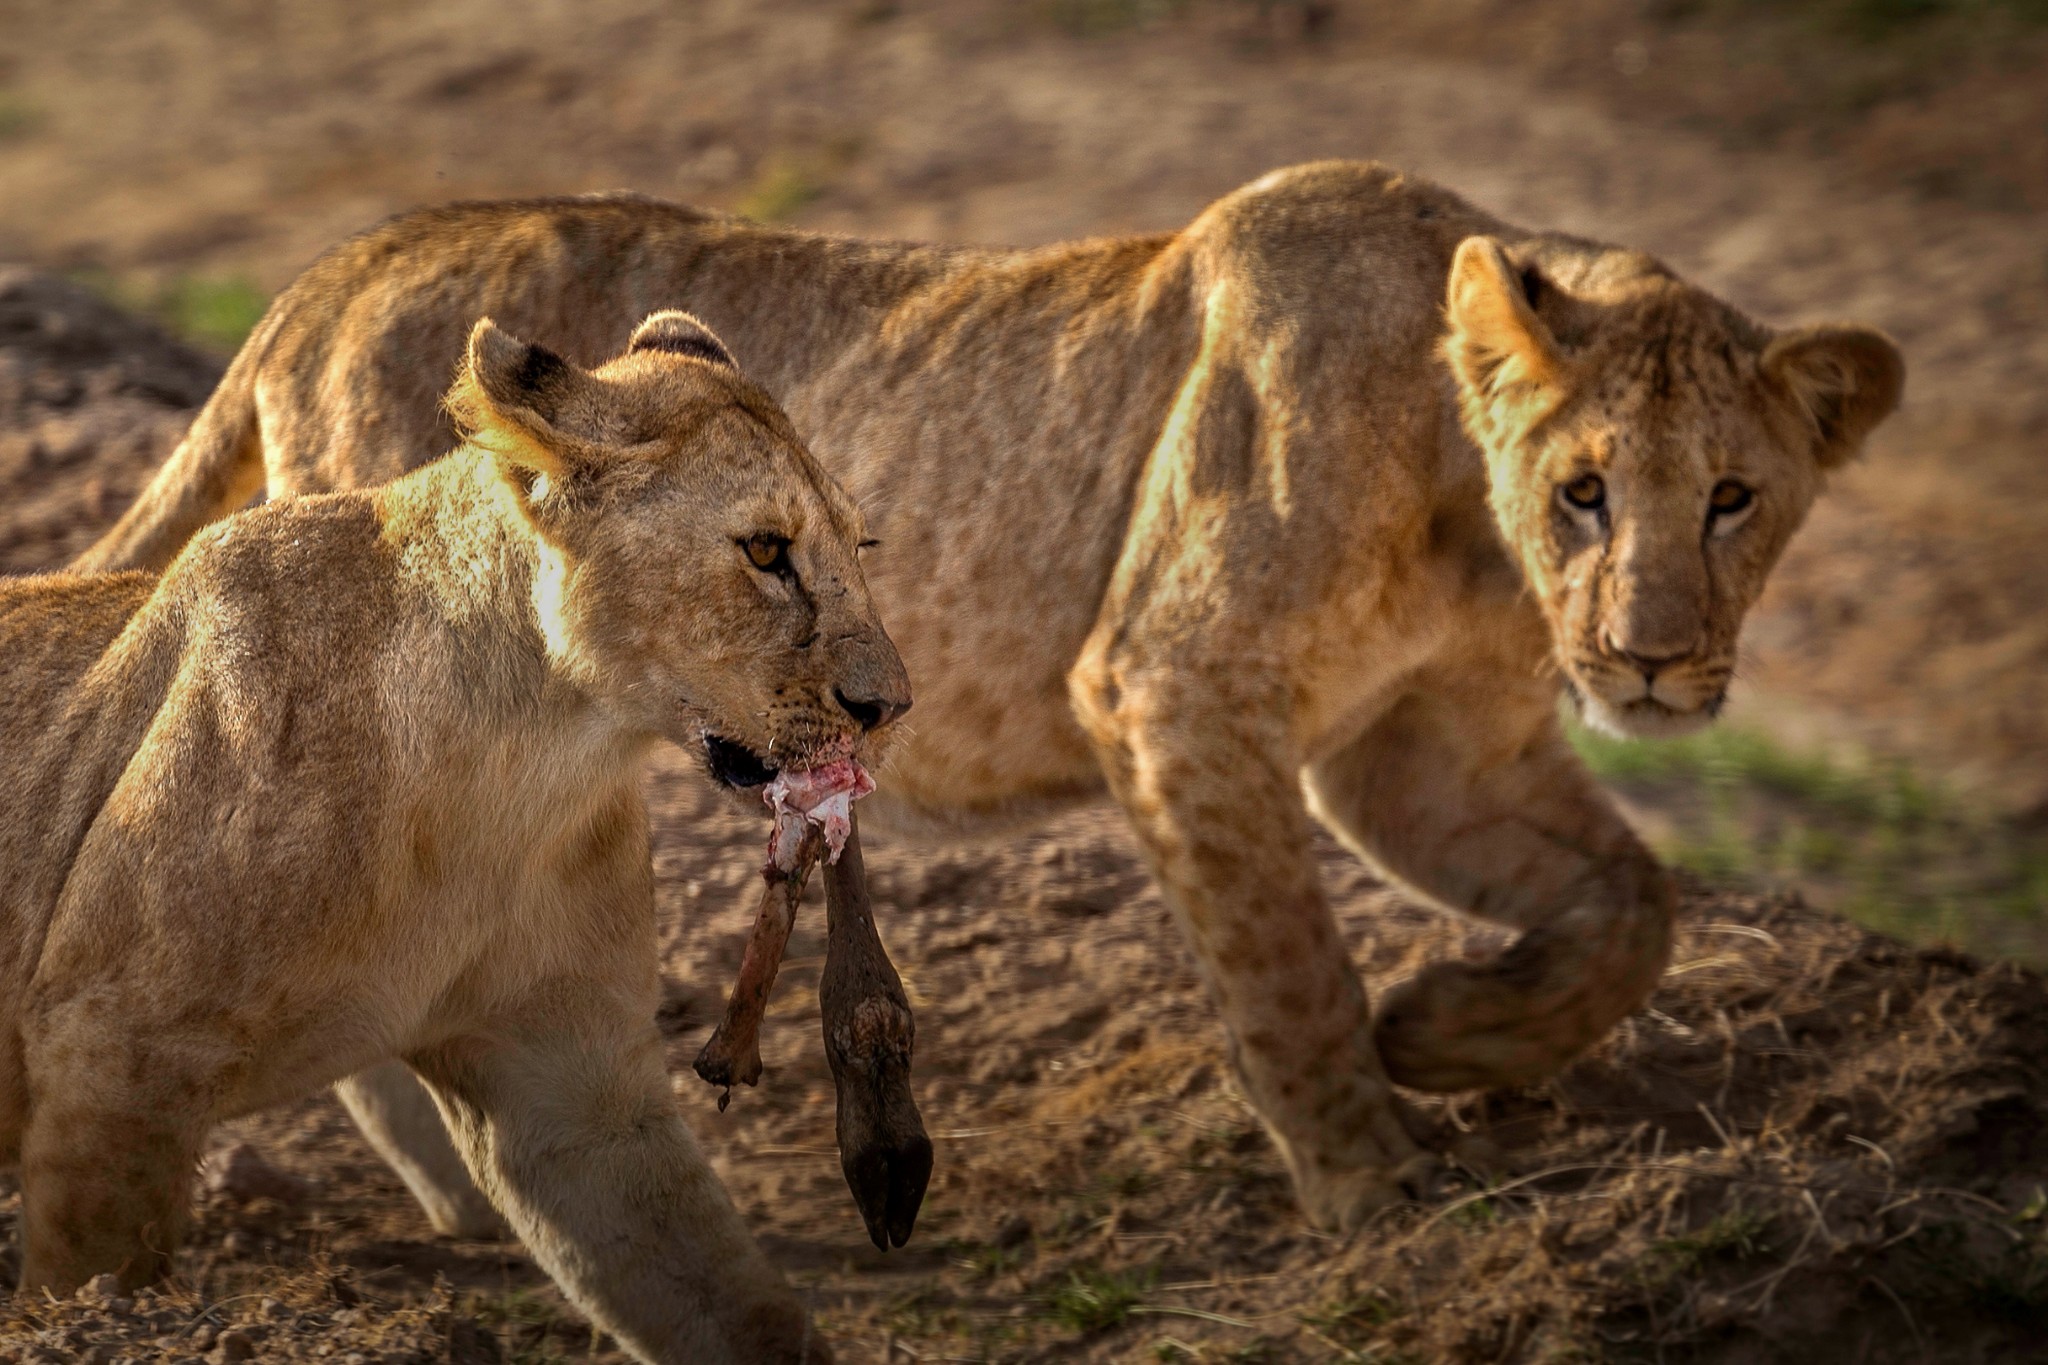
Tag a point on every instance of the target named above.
point(735, 765)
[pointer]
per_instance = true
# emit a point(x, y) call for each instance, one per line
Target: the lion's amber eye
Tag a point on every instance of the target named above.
point(1588, 493)
point(1729, 497)
point(769, 552)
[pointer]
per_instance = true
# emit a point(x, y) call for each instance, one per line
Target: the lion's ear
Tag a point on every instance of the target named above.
point(509, 396)
point(1844, 379)
point(675, 332)
point(1505, 358)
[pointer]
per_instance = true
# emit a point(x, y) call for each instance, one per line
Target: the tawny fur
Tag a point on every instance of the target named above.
point(356, 780)
point(1256, 520)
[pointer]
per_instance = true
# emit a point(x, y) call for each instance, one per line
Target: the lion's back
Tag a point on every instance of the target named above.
point(53, 629)
point(356, 352)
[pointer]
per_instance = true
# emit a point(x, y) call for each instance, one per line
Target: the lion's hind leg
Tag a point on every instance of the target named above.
point(399, 1119)
point(13, 1100)
point(1479, 804)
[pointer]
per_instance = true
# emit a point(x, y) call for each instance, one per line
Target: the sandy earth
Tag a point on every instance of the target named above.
point(1815, 1145)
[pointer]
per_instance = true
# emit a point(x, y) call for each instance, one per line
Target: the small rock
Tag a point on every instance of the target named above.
point(100, 1289)
point(233, 1346)
point(240, 1173)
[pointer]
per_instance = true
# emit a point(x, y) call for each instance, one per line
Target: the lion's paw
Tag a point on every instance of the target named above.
point(1460, 1026)
point(1343, 1201)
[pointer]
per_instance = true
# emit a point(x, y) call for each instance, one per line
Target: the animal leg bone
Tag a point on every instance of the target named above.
point(733, 1054)
point(869, 1034)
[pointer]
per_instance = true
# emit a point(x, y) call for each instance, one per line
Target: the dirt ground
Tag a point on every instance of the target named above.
point(1815, 1145)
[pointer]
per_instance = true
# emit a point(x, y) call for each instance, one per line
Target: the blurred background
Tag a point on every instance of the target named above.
point(1884, 160)
point(1878, 160)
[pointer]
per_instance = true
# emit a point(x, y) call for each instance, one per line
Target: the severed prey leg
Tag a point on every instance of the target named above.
point(813, 811)
point(733, 1054)
point(869, 1033)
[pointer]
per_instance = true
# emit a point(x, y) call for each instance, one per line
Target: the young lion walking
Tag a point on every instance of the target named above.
point(355, 779)
point(1302, 512)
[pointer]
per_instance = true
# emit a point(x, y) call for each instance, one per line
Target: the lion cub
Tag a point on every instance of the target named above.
point(355, 779)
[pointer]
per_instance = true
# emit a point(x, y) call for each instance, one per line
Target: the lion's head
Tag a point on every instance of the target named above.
point(1650, 451)
point(698, 570)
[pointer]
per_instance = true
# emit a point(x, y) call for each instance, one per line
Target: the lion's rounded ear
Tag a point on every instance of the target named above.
point(1845, 379)
point(1503, 355)
point(675, 332)
point(509, 396)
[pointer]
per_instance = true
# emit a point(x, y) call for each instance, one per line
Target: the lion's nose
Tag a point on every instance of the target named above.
point(871, 712)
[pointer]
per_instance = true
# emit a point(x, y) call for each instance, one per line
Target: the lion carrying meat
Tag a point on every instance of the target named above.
point(1301, 512)
point(356, 779)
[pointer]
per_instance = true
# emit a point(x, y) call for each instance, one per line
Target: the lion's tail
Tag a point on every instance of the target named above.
point(215, 469)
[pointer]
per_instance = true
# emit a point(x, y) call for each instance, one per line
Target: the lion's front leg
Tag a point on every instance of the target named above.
point(1468, 793)
point(1203, 774)
point(565, 1118)
point(116, 1122)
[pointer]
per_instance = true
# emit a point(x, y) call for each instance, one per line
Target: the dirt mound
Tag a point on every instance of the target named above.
point(1815, 1144)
